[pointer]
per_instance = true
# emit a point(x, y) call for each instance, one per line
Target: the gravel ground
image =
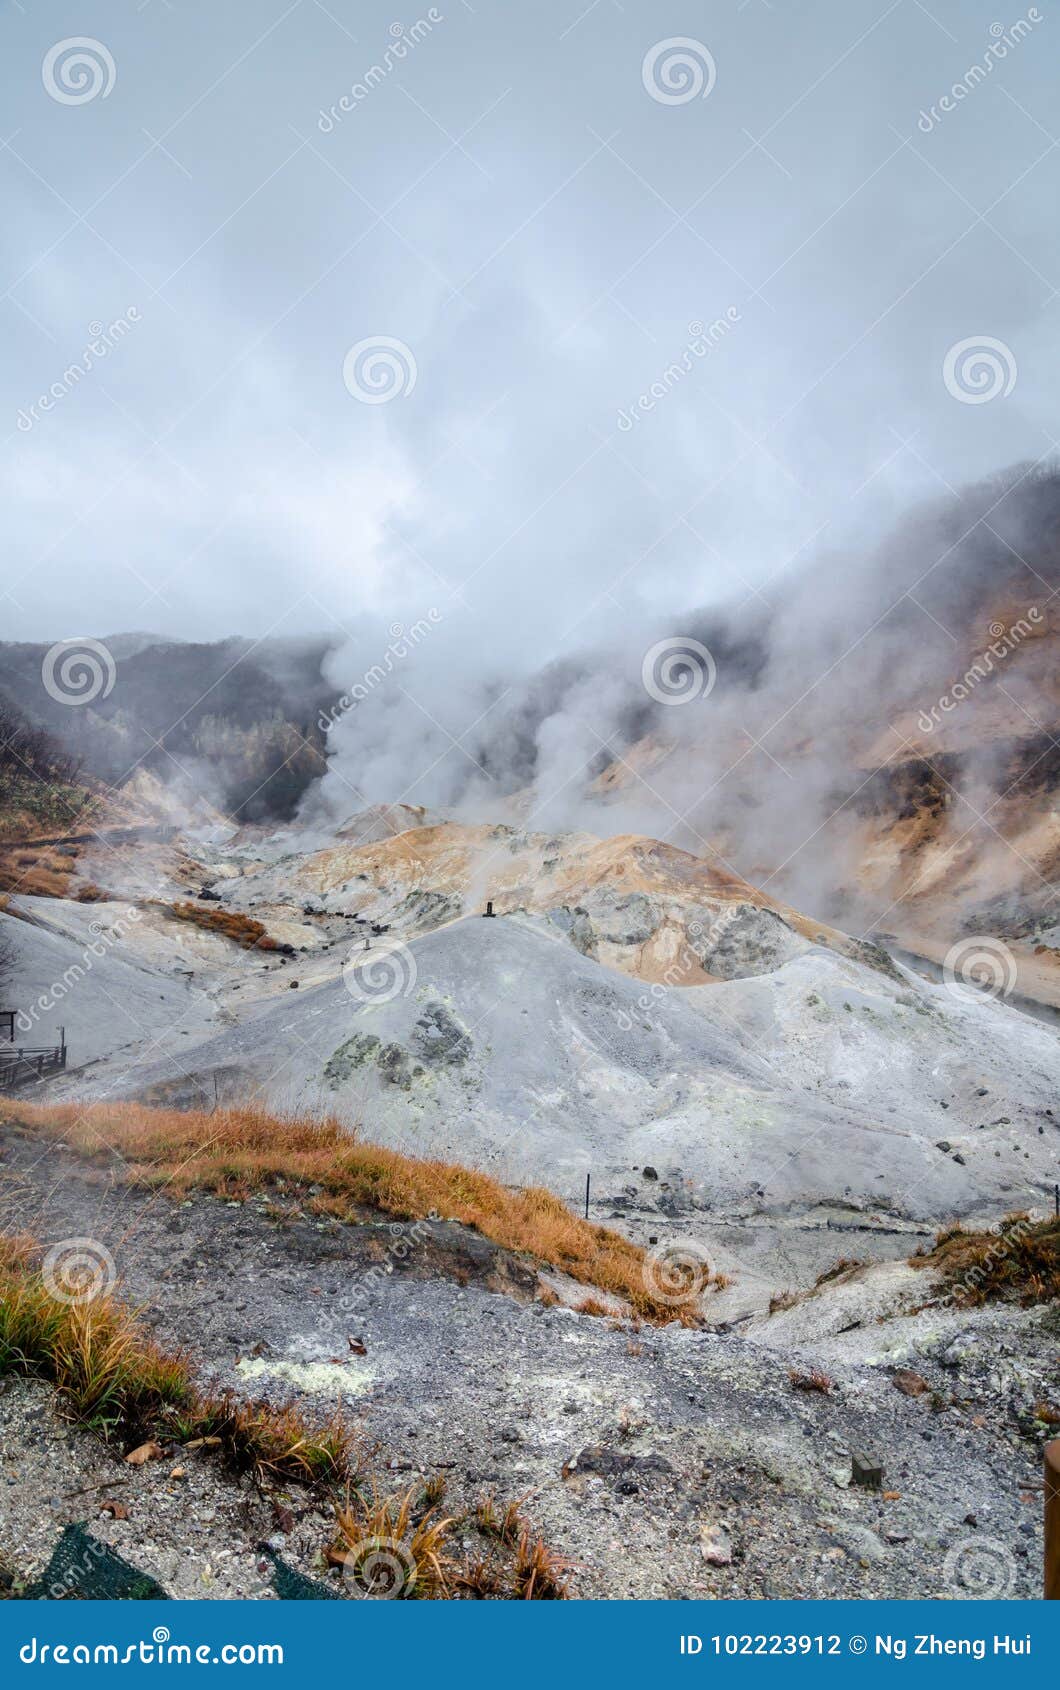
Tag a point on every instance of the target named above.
point(662, 1462)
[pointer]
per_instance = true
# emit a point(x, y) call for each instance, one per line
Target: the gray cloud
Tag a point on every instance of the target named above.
point(552, 245)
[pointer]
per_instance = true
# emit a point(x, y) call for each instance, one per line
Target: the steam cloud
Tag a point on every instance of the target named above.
point(814, 692)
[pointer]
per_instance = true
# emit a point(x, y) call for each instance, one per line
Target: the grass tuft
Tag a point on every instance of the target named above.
point(387, 1547)
point(120, 1382)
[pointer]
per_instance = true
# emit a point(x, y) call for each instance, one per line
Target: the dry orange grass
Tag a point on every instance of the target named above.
point(397, 1546)
point(36, 871)
point(1019, 1261)
point(120, 1381)
point(237, 1152)
point(247, 932)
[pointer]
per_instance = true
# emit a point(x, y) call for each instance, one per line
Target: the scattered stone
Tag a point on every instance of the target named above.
point(909, 1383)
point(715, 1544)
point(959, 1351)
point(866, 1473)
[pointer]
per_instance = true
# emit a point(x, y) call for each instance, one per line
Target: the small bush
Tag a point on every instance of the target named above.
point(1018, 1262)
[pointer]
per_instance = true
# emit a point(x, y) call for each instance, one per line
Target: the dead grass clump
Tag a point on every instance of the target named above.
point(36, 871)
point(1019, 1261)
point(388, 1548)
point(539, 1573)
point(842, 1266)
point(231, 924)
point(813, 1380)
point(120, 1382)
point(592, 1305)
point(781, 1300)
point(507, 1527)
point(395, 1548)
point(237, 1152)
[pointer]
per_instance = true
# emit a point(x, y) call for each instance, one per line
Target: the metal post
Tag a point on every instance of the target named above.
point(1051, 1591)
point(587, 1179)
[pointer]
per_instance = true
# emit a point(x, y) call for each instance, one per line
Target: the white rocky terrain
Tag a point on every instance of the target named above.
point(719, 1064)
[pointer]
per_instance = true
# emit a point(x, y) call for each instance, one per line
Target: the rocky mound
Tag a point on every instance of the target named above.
point(498, 1043)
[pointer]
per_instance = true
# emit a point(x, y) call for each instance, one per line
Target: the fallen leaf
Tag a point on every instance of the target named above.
point(283, 1519)
point(177, 1473)
point(892, 1496)
point(146, 1452)
point(117, 1509)
point(1045, 1411)
point(358, 1348)
point(203, 1443)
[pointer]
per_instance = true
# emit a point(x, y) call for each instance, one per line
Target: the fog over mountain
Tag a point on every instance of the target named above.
point(662, 351)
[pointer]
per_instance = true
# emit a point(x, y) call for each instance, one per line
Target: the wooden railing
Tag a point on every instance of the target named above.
point(26, 1065)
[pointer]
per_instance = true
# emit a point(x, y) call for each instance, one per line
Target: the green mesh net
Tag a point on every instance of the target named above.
point(81, 1567)
point(292, 1586)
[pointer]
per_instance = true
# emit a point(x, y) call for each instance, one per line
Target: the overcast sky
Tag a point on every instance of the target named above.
point(514, 203)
